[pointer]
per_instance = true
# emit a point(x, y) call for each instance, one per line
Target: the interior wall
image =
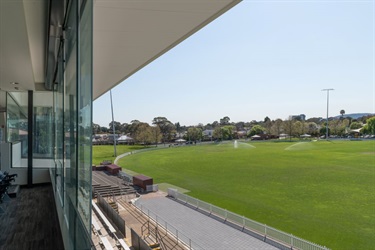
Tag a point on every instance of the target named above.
point(6, 161)
point(2, 126)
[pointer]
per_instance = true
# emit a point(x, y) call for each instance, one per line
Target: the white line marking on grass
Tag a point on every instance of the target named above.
point(247, 145)
point(296, 145)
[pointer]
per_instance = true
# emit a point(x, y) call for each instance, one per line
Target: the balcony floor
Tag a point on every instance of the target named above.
point(30, 220)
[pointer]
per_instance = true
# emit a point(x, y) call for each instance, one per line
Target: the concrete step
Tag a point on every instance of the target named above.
point(114, 205)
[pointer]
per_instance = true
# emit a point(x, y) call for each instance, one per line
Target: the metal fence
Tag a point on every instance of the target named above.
point(126, 177)
point(266, 232)
point(160, 222)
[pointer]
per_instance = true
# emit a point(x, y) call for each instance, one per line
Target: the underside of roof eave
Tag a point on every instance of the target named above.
point(106, 86)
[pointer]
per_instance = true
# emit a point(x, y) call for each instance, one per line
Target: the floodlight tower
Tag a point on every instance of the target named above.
point(327, 110)
point(113, 126)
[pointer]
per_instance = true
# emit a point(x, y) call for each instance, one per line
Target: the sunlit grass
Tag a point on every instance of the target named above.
point(321, 191)
point(101, 153)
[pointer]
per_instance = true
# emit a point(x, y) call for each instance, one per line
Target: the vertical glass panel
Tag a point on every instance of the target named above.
point(17, 126)
point(70, 120)
point(59, 126)
point(77, 100)
point(85, 114)
point(43, 130)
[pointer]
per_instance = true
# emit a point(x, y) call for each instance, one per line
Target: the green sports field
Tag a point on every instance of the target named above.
point(321, 191)
point(102, 153)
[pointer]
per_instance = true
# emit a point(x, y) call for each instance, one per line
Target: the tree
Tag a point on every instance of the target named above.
point(217, 134)
point(276, 127)
point(334, 126)
point(117, 126)
point(256, 130)
point(103, 129)
point(312, 128)
point(240, 126)
point(143, 134)
point(298, 128)
point(125, 128)
point(95, 128)
point(288, 127)
point(342, 112)
point(156, 134)
point(208, 126)
point(194, 134)
point(267, 124)
point(133, 127)
point(178, 127)
point(370, 124)
point(323, 130)
point(166, 127)
point(254, 122)
point(215, 124)
point(228, 132)
point(225, 120)
point(355, 125)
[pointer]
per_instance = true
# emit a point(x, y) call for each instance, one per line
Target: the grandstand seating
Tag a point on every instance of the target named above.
point(109, 185)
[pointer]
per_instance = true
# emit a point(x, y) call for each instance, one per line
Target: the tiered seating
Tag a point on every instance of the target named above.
point(109, 185)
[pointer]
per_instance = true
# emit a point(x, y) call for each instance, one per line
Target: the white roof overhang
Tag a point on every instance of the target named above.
point(127, 35)
point(23, 25)
point(130, 34)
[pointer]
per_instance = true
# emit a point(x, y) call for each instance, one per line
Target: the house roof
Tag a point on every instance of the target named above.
point(125, 138)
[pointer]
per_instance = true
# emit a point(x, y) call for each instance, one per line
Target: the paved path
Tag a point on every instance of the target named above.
point(205, 231)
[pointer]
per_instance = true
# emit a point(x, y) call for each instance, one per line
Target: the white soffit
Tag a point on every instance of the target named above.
point(15, 60)
point(130, 34)
point(36, 22)
point(22, 43)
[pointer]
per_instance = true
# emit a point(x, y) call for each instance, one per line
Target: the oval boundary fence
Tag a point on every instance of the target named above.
point(259, 230)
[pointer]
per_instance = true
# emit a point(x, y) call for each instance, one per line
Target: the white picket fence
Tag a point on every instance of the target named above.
point(267, 232)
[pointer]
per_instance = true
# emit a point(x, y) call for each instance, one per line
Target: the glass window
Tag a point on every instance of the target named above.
point(17, 126)
point(85, 114)
point(58, 99)
point(43, 129)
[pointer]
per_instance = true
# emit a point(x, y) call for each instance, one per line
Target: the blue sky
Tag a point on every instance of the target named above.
point(261, 58)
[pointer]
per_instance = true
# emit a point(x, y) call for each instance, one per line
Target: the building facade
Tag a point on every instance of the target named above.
point(56, 57)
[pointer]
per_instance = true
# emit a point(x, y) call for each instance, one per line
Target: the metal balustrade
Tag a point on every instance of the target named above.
point(266, 232)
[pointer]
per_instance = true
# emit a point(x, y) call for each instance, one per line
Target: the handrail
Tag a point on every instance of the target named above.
point(244, 223)
point(160, 222)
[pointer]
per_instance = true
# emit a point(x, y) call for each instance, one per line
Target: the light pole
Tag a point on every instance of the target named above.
point(113, 125)
point(327, 110)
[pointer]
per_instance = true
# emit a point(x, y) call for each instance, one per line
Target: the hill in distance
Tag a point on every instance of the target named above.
point(354, 115)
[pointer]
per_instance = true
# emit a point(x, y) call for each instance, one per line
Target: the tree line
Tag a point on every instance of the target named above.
point(163, 130)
